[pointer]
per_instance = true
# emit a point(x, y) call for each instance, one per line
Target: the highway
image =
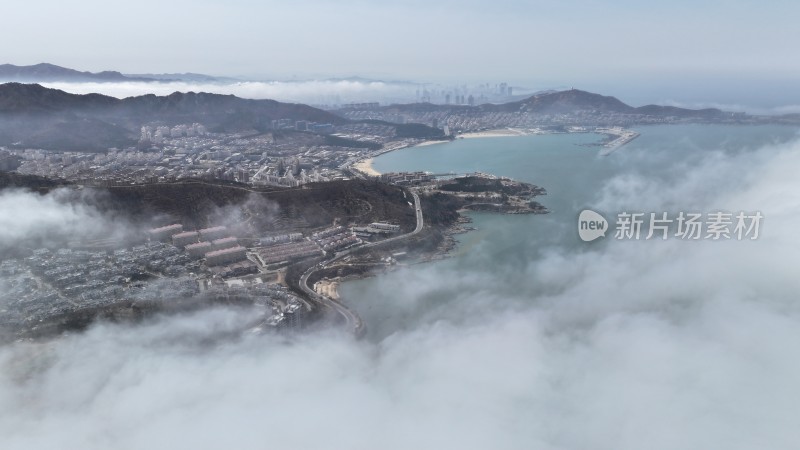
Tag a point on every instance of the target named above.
point(352, 320)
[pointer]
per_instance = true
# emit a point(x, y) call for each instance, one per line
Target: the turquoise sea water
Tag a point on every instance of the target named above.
point(575, 177)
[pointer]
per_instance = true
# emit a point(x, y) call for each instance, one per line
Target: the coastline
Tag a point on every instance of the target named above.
point(500, 132)
point(365, 166)
point(436, 245)
point(328, 287)
point(427, 143)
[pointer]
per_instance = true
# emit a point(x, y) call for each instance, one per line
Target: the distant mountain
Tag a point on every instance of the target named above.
point(50, 73)
point(18, 98)
point(565, 102)
point(44, 72)
point(34, 116)
point(562, 102)
point(574, 100)
point(658, 110)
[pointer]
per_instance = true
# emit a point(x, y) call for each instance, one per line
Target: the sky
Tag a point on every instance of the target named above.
point(639, 48)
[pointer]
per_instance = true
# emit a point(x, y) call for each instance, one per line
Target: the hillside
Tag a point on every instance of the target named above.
point(31, 182)
point(34, 116)
point(195, 202)
point(561, 102)
point(18, 98)
point(45, 72)
point(199, 203)
point(565, 102)
point(575, 100)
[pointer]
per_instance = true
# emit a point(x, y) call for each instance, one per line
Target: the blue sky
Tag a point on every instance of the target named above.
point(736, 44)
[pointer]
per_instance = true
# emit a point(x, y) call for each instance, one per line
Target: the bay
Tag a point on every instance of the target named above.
point(570, 168)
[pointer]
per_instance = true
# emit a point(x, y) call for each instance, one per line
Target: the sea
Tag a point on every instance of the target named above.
point(525, 337)
point(502, 248)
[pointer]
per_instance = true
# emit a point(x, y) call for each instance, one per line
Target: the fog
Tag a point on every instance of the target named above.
point(314, 92)
point(776, 98)
point(30, 220)
point(620, 345)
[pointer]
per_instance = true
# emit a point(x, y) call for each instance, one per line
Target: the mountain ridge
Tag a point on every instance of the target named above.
point(46, 72)
point(567, 101)
point(37, 116)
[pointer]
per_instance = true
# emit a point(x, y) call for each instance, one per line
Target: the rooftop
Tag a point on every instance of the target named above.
point(186, 234)
point(225, 251)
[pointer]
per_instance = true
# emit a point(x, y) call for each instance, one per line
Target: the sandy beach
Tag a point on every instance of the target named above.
point(503, 132)
point(427, 143)
point(328, 288)
point(365, 166)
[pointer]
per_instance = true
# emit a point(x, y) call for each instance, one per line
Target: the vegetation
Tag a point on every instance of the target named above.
point(352, 143)
point(481, 184)
point(32, 182)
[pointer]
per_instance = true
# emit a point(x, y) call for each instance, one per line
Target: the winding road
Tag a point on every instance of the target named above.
point(352, 320)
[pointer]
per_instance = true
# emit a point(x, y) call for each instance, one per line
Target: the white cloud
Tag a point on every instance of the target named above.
point(60, 216)
point(657, 345)
point(310, 92)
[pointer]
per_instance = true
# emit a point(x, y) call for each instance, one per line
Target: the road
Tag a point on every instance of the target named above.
point(420, 224)
point(352, 320)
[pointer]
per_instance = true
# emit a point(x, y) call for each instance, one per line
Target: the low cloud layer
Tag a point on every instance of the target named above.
point(31, 220)
point(315, 92)
point(624, 345)
point(338, 92)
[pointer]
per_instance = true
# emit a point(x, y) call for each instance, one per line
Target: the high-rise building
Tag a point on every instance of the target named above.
point(226, 256)
point(185, 238)
point(199, 249)
point(164, 233)
point(227, 242)
point(212, 233)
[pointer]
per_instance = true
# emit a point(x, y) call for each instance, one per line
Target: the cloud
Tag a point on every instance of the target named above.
point(626, 345)
point(63, 215)
point(323, 92)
